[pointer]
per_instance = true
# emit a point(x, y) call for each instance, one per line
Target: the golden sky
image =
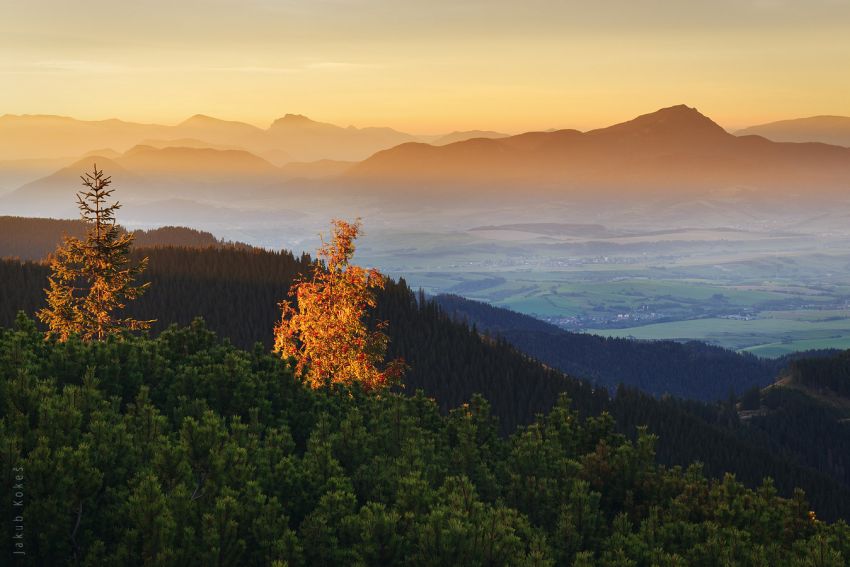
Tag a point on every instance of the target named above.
point(425, 66)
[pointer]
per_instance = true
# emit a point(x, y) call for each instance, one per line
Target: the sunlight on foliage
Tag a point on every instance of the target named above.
point(324, 330)
point(93, 278)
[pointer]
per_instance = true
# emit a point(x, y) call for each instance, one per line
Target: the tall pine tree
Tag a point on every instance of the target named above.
point(93, 278)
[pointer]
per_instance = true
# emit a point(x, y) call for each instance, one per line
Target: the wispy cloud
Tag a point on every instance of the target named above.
point(314, 66)
point(67, 66)
point(340, 65)
point(258, 70)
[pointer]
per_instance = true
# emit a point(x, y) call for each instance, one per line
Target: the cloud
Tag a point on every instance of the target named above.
point(253, 69)
point(342, 65)
point(315, 66)
point(64, 66)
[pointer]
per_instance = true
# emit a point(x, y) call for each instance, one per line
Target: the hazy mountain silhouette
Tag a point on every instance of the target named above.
point(145, 174)
point(291, 138)
point(197, 164)
point(827, 129)
point(459, 136)
point(674, 150)
point(47, 136)
point(308, 140)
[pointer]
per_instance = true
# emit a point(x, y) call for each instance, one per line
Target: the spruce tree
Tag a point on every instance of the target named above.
point(93, 278)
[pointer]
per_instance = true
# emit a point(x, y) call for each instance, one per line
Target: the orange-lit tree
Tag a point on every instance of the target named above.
point(324, 329)
point(92, 278)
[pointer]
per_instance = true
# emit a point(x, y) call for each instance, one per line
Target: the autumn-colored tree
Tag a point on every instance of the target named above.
point(93, 277)
point(324, 329)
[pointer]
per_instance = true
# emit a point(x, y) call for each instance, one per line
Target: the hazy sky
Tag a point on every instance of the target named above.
point(425, 66)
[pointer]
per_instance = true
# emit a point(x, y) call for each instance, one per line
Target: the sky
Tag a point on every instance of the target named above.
point(425, 66)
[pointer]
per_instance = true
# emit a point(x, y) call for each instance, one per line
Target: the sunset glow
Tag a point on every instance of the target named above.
point(425, 67)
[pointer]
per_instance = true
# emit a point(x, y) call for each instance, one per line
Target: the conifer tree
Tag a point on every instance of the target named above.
point(93, 277)
point(324, 331)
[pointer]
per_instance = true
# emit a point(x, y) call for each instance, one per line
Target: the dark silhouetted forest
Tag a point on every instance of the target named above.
point(692, 370)
point(33, 239)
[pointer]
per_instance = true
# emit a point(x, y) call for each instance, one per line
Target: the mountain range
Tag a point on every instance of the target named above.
point(675, 150)
point(291, 138)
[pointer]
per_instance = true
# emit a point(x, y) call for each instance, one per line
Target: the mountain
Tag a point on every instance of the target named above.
point(185, 143)
point(220, 131)
point(308, 140)
point(290, 138)
point(54, 195)
point(17, 172)
point(47, 136)
point(825, 129)
point(146, 174)
point(34, 238)
point(691, 370)
point(805, 415)
point(458, 136)
point(196, 164)
point(674, 151)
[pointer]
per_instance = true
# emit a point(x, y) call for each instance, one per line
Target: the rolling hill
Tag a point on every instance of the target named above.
point(34, 238)
point(146, 174)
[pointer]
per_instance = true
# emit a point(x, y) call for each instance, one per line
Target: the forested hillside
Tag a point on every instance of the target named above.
point(184, 450)
point(237, 291)
point(35, 238)
point(690, 370)
point(805, 416)
point(830, 375)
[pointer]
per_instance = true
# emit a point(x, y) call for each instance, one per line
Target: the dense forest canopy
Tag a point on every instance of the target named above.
point(185, 450)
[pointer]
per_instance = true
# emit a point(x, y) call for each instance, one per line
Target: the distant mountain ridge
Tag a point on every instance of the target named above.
point(825, 129)
point(300, 138)
point(674, 151)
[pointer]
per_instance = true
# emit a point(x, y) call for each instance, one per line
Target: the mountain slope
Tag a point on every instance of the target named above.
point(35, 238)
point(293, 137)
point(687, 370)
point(146, 174)
point(825, 129)
point(805, 416)
point(673, 151)
point(308, 140)
point(461, 136)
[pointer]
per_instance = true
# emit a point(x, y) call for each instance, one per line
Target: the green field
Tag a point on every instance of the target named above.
point(768, 298)
point(764, 337)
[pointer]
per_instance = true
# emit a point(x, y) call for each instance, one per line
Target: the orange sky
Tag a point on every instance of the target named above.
point(426, 67)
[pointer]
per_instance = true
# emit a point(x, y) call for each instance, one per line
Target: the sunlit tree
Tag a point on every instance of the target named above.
point(92, 278)
point(324, 329)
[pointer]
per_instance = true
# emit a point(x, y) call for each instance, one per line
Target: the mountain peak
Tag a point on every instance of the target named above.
point(199, 119)
point(678, 120)
point(294, 119)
